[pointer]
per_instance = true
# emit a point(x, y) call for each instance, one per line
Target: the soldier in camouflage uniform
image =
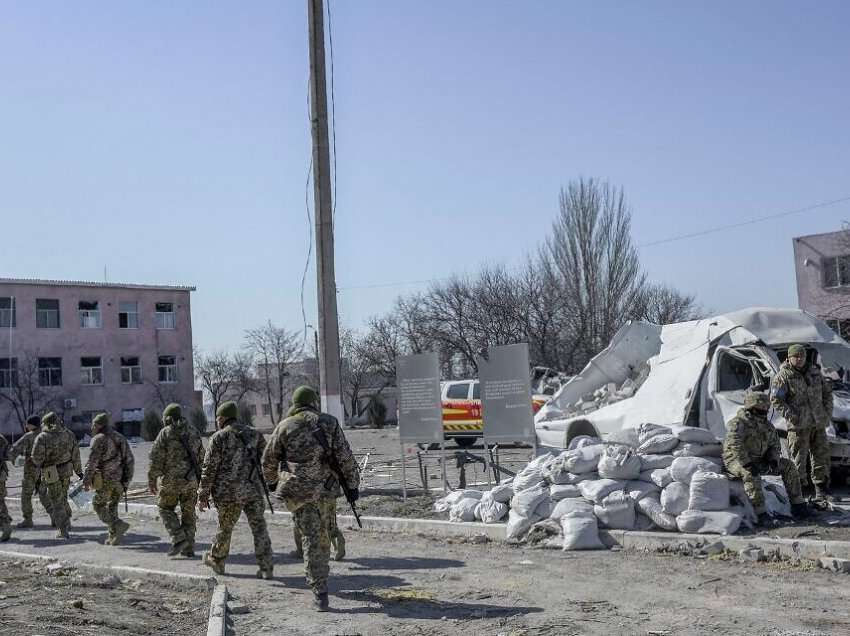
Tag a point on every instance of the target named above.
point(56, 455)
point(175, 461)
point(801, 394)
point(29, 483)
point(328, 505)
point(296, 461)
point(109, 471)
point(751, 449)
point(5, 519)
point(231, 476)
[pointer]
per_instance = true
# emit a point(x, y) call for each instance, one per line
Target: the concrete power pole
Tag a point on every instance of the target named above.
point(330, 387)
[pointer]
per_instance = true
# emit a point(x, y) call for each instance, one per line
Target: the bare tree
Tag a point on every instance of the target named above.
point(224, 376)
point(362, 370)
point(23, 390)
point(274, 349)
point(663, 305)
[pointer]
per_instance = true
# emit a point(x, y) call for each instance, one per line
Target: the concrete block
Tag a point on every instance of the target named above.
point(835, 565)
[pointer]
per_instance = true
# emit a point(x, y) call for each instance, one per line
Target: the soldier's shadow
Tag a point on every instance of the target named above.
point(402, 563)
point(342, 581)
point(423, 608)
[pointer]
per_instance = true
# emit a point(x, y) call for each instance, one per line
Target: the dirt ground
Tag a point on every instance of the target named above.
point(36, 601)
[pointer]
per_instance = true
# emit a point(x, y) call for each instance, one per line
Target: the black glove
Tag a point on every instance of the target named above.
point(753, 469)
point(355, 494)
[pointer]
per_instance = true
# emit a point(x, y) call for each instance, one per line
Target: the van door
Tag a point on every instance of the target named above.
point(731, 373)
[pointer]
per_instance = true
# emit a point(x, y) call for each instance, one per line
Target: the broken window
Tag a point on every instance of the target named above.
point(165, 316)
point(167, 369)
point(46, 313)
point(89, 314)
point(131, 370)
point(836, 271)
point(8, 372)
point(91, 371)
point(128, 315)
point(50, 371)
point(458, 391)
point(7, 312)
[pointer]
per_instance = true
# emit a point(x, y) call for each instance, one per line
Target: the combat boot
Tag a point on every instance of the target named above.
point(764, 520)
point(178, 548)
point(339, 555)
point(320, 602)
point(296, 554)
point(26, 523)
point(800, 510)
point(267, 574)
point(189, 552)
point(214, 565)
point(120, 530)
point(5, 532)
point(63, 534)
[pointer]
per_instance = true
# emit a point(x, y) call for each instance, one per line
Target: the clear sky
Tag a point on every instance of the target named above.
point(170, 142)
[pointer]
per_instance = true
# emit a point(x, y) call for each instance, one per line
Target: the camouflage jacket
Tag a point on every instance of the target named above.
point(24, 447)
point(4, 451)
point(230, 472)
point(296, 461)
point(57, 446)
point(111, 456)
point(176, 453)
point(750, 439)
point(803, 398)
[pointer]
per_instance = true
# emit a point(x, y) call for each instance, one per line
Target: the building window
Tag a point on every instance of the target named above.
point(8, 373)
point(50, 371)
point(841, 327)
point(252, 409)
point(165, 316)
point(7, 312)
point(132, 415)
point(131, 371)
point(89, 314)
point(167, 369)
point(128, 315)
point(46, 313)
point(267, 410)
point(86, 417)
point(836, 271)
point(91, 371)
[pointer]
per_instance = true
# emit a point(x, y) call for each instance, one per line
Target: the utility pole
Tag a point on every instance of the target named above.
point(328, 327)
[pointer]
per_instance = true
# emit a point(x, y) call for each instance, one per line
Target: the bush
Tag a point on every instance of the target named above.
point(198, 419)
point(151, 425)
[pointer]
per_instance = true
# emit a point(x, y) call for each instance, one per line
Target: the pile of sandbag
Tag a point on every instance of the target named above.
point(652, 477)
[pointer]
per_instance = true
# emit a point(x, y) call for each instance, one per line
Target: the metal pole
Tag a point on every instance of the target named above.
point(328, 327)
point(487, 463)
point(403, 473)
point(443, 465)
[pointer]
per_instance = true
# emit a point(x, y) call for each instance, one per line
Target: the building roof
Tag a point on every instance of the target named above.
point(85, 283)
point(811, 236)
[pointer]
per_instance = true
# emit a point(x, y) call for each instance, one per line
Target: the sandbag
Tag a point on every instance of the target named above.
point(445, 503)
point(651, 462)
point(660, 477)
point(683, 468)
point(639, 489)
point(584, 459)
point(544, 508)
point(709, 491)
point(528, 477)
point(526, 501)
point(647, 431)
point(556, 471)
point(564, 491)
point(579, 441)
point(518, 525)
point(702, 522)
point(651, 507)
point(658, 444)
point(675, 498)
point(491, 511)
point(643, 523)
point(776, 499)
point(541, 460)
point(502, 493)
point(694, 434)
point(689, 449)
point(463, 510)
point(626, 437)
point(581, 532)
point(596, 491)
point(566, 506)
point(618, 462)
point(617, 511)
point(741, 500)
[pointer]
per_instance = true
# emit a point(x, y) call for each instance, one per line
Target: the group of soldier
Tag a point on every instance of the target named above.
point(303, 464)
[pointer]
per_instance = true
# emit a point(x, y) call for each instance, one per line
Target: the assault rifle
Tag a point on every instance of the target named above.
point(255, 468)
point(351, 494)
point(191, 457)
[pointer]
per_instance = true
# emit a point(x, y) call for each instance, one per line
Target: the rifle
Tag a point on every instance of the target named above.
point(191, 457)
point(255, 468)
point(333, 463)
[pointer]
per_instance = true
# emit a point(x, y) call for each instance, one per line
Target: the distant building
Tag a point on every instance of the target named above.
point(79, 348)
point(822, 263)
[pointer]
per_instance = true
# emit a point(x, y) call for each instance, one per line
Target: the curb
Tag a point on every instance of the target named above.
point(217, 624)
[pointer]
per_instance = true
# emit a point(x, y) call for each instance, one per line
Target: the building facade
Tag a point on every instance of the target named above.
point(80, 348)
point(822, 264)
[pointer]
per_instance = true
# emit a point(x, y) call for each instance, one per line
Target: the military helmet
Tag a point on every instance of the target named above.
point(228, 410)
point(50, 419)
point(34, 420)
point(172, 411)
point(101, 420)
point(756, 400)
point(304, 396)
point(796, 350)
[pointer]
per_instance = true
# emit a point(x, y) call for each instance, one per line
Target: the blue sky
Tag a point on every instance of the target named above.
point(169, 142)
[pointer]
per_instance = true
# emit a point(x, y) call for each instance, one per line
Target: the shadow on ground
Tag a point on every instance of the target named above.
point(403, 563)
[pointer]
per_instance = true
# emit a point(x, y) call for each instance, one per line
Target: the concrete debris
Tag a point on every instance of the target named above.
point(604, 395)
point(751, 555)
point(835, 565)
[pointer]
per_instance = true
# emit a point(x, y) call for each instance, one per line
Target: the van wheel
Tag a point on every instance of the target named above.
point(466, 442)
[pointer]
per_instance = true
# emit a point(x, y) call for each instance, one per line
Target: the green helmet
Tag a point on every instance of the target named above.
point(49, 419)
point(228, 410)
point(173, 412)
point(304, 396)
point(100, 421)
point(756, 400)
point(796, 350)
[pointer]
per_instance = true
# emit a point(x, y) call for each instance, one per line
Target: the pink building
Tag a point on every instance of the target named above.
point(822, 264)
point(80, 348)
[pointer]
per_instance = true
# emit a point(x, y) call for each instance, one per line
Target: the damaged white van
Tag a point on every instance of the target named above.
point(695, 373)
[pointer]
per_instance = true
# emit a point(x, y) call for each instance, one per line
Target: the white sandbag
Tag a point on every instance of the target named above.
point(683, 468)
point(647, 431)
point(581, 532)
point(596, 491)
point(689, 449)
point(544, 508)
point(651, 462)
point(740, 500)
point(618, 462)
point(694, 434)
point(518, 525)
point(563, 491)
point(626, 437)
point(463, 510)
point(709, 491)
point(502, 493)
point(566, 506)
point(491, 511)
point(651, 507)
point(776, 499)
point(541, 460)
point(584, 459)
point(556, 471)
point(445, 503)
point(746, 520)
point(528, 477)
point(675, 498)
point(526, 501)
point(617, 511)
point(639, 489)
point(702, 522)
point(643, 523)
point(660, 477)
point(658, 444)
point(580, 441)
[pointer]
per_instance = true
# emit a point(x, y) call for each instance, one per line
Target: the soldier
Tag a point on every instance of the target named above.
point(5, 519)
point(296, 461)
point(337, 539)
point(804, 398)
point(55, 456)
point(175, 459)
point(109, 471)
point(751, 449)
point(231, 476)
point(29, 483)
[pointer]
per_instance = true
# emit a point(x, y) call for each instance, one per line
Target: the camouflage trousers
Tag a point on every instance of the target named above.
point(105, 504)
point(28, 491)
point(334, 533)
point(182, 527)
point(753, 485)
point(5, 519)
point(809, 449)
point(228, 515)
point(56, 502)
point(312, 521)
